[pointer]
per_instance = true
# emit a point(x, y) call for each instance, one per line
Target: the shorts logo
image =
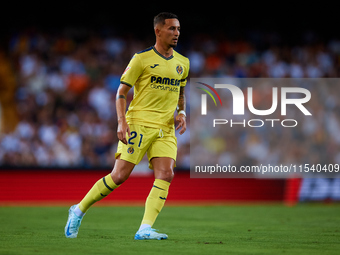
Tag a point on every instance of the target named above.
point(179, 69)
point(130, 150)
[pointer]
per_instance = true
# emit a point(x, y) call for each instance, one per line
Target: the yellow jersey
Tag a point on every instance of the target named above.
point(156, 81)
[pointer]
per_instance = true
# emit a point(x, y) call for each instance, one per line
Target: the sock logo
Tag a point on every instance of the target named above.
point(163, 198)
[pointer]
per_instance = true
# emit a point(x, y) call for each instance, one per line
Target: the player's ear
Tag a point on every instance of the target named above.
point(157, 30)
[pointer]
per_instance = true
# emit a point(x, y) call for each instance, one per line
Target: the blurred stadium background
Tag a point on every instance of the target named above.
point(60, 67)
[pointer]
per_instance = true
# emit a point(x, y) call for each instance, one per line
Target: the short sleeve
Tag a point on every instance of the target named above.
point(185, 74)
point(132, 71)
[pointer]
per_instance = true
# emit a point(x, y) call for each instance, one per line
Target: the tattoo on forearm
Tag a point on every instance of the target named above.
point(181, 100)
point(121, 96)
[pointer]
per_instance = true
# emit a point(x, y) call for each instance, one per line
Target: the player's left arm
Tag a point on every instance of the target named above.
point(181, 115)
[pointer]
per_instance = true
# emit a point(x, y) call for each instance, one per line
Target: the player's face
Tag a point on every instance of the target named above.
point(169, 32)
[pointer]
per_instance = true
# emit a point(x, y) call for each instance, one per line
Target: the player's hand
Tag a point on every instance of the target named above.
point(123, 128)
point(182, 123)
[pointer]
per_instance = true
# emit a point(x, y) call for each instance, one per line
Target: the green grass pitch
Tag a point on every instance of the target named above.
point(237, 229)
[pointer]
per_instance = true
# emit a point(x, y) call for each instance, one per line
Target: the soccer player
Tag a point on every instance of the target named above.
point(158, 75)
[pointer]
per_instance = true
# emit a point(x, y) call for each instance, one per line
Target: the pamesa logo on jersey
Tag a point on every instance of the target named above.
point(165, 81)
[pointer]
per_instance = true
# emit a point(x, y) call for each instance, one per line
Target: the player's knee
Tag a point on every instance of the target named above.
point(170, 176)
point(166, 175)
point(119, 178)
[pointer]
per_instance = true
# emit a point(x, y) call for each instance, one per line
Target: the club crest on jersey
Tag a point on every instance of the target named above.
point(130, 150)
point(179, 69)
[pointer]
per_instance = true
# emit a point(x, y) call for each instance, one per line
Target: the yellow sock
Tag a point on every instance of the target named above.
point(155, 201)
point(100, 189)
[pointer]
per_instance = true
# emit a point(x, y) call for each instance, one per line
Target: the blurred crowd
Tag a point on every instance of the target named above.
point(66, 84)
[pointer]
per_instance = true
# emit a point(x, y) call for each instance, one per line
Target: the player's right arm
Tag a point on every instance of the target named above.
point(123, 127)
point(128, 79)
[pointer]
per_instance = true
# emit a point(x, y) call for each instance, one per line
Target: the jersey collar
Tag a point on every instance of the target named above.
point(153, 47)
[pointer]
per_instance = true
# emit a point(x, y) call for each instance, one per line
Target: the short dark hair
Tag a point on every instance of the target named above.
point(161, 17)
